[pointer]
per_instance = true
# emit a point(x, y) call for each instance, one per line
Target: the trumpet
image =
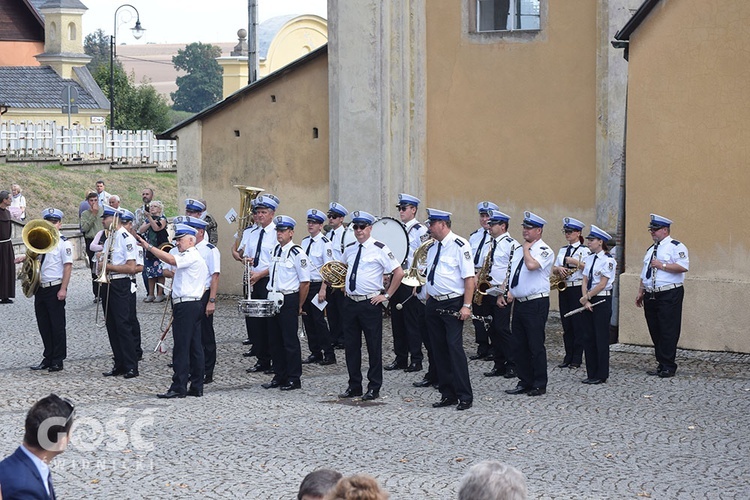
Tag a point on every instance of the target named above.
point(102, 277)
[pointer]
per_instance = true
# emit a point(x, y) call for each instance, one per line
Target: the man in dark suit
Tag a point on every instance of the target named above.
point(26, 473)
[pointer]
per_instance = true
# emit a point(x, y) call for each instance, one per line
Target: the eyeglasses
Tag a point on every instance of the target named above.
point(334, 216)
point(359, 227)
point(654, 229)
point(403, 208)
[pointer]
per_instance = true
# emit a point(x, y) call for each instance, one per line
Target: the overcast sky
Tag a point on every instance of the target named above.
point(186, 21)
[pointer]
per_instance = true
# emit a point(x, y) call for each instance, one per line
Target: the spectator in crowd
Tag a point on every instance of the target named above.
point(147, 195)
point(317, 484)
point(357, 487)
point(18, 203)
point(7, 258)
point(492, 480)
point(103, 195)
point(154, 231)
point(26, 473)
point(90, 225)
point(114, 201)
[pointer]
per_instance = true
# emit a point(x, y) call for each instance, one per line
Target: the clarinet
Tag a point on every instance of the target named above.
point(507, 273)
point(653, 272)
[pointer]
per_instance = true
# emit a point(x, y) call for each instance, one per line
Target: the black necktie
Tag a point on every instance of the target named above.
point(568, 253)
point(653, 256)
point(517, 273)
point(479, 249)
point(431, 276)
point(353, 276)
point(276, 253)
point(492, 251)
point(591, 273)
point(257, 248)
point(308, 247)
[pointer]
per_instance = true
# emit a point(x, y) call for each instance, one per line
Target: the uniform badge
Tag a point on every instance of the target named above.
point(611, 265)
point(303, 263)
point(130, 247)
point(682, 255)
point(68, 251)
point(329, 252)
point(545, 254)
point(467, 255)
point(424, 237)
point(390, 255)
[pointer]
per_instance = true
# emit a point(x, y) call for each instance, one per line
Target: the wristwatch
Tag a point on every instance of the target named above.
point(212, 300)
point(386, 296)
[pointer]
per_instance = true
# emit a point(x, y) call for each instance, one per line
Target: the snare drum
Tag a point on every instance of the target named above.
point(257, 308)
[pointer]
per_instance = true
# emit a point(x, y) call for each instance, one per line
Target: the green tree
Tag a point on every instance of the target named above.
point(202, 85)
point(96, 45)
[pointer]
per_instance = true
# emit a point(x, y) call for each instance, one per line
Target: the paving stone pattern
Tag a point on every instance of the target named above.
point(634, 437)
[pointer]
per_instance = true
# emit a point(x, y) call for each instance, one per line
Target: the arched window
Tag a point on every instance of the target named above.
point(52, 31)
point(72, 31)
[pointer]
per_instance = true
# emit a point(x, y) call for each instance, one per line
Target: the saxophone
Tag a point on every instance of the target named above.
point(483, 279)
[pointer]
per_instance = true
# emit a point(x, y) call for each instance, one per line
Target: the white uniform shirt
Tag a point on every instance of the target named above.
point(536, 281)
point(500, 261)
point(417, 234)
point(480, 241)
point(604, 265)
point(124, 247)
point(578, 252)
point(319, 252)
point(289, 268)
point(337, 242)
point(54, 261)
point(190, 275)
point(455, 264)
point(212, 257)
point(375, 260)
point(249, 244)
point(670, 251)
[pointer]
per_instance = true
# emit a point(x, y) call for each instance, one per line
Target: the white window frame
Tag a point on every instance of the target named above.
point(514, 5)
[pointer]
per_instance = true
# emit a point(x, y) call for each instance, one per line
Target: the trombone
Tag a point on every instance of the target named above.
point(102, 278)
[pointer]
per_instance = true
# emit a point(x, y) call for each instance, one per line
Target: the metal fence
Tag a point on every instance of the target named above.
point(45, 140)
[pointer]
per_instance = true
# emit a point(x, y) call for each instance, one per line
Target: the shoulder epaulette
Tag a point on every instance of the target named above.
point(509, 239)
point(209, 245)
point(295, 250)
point(125, 234)
point(350, 244)
point(608, 254)
point(543, 248)
point(325, 240)
point(475, 232)
point(417, 226)
point(379, 244)
point(675, 242)
point(63, 238)
point(460, 242)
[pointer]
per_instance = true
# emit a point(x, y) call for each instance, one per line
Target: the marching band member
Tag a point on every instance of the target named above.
point(480, 244)
point(662, 278)
point(256, 248)
point(598, 278)
point(407, 340)
point(50, 295)
point(236, 256)
point(418, 316)
point(569, 267)
point(450, 286)
point(502, 246)
point(139, 264)
point(116, 299)
point(367, 261)
point(289, 275)
point(188, 287)
point(529, 289)
point(336, 214)
point(318, 250)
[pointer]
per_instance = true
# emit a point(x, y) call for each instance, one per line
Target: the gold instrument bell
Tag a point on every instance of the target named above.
point(40, 237)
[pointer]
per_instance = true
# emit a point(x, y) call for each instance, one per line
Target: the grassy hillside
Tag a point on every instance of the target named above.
point(65, 188)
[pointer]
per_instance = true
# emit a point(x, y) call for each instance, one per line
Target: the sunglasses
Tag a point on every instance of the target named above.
point(654, 229)
point(403, 208)
point(334, 216)
point(360, 227)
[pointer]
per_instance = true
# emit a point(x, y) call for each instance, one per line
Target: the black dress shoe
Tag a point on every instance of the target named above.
point(574, 365)
point(290, 386)
point(41, 366)
point(55, 368)
point(170, 365)
point(495, 372)
point(445, 402)
point(269, 371)
point(423, 383)
point(653, 373)
point(564, 364)
point(247, 342)
point(257, 369)
point(114, 372)
point(464, 405)
point(130, 374)
point(518, 390)
point(666, 374)
point(6, 301)
point(394, 366)
point(248, 354)
point(537, 391)
point(370, 395)
point(208, 378)
point(312, 358)
point(489, 357)
point(350, 393)
point(478, 355)
point(328, 360)
point(339, 345)
point(594, 381)
point(196, 393)
point(414, 367)
point(170, 395)
point(510, 373)
point(273, 384)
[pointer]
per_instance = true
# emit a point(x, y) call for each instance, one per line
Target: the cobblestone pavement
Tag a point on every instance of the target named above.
point(636, 436)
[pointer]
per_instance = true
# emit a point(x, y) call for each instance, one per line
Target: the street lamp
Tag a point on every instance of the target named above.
point(137, 34)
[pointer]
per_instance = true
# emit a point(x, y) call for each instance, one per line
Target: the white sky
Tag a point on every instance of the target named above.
point(187, 21)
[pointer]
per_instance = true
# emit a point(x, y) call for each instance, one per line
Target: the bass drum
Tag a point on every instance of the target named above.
point(393, 233)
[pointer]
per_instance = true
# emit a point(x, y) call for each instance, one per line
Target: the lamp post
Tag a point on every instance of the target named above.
point(137, 34)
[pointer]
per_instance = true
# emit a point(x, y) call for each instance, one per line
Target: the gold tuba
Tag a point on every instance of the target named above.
point(556, 282)
point(413, 277)
point(40, 237)
point(245, 215)
point(334, 273)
